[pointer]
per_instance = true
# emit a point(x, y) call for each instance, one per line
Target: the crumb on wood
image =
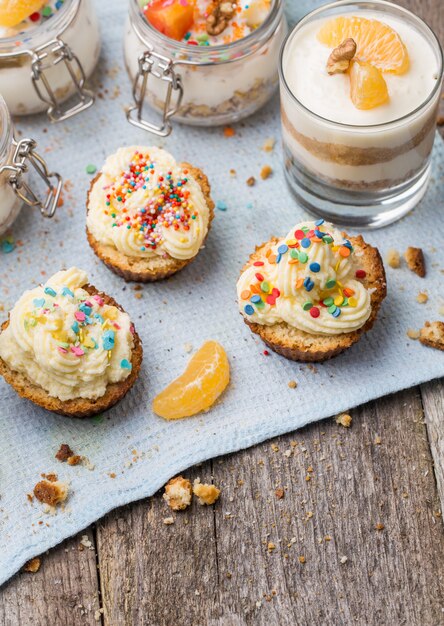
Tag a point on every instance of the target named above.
point(168, 521)
point(393, 258)
point(64, 453)
point(379, 526)
point(279, 493)
point(344, 419)
point(178, 493)
point(51, 493)
point(415, 260)
point(271, 547)
point(432, 335)
point(266, 172)
point(207, 494)
point(301, 559)
point(378, 440)
point(33, 565)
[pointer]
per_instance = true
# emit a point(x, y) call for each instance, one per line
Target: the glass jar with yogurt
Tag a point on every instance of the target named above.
point(47, 56)
point(360, 86)
point(202, 79)
point(16, 158)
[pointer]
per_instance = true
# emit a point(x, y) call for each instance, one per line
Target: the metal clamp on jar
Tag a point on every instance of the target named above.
point(200, 85)
point(44, 66)
point(16, 158)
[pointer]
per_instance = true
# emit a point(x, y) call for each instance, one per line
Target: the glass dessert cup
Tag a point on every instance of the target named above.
point(200, 86)
point(359, 175)
point(44, 67)
point(16, 157)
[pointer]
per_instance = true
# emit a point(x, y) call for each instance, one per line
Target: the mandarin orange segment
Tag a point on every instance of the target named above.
point(197, 389)
point(377, 43)
point(12, 12)
point(368, 88)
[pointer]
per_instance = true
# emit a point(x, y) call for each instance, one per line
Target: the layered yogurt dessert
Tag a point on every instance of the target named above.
point(224, 54)
point(27, 32)
point(360, 90)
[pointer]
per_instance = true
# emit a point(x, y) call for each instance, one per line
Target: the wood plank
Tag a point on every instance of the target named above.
point(64, 591)
point(389, 576)
point(150, 573)
point(433, 402)
point(156, 574)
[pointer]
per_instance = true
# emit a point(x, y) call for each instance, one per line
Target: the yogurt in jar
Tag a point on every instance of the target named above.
point(27, 47)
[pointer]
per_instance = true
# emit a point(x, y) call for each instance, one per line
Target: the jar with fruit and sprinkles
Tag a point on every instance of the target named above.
point(48, 49)
point(201, 62)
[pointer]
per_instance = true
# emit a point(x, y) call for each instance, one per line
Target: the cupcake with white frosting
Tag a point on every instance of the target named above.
point(69, 348)
point(312, 294)
point(147, 215)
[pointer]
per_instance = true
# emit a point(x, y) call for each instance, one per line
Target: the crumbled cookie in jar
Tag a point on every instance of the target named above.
point(178, 493)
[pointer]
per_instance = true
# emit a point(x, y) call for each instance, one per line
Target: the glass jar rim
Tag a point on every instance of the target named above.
point(196, 52)
point(370, 4)
point(41, 34)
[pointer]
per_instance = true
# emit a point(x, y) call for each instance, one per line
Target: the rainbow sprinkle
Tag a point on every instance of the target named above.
point(168, 207)
point(297, 249)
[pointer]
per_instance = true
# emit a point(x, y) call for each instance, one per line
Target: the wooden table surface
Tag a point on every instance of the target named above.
point(213, 566)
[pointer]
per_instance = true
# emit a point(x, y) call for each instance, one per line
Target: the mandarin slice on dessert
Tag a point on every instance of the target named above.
point(12, 12)
point(197, 389)
point(377, 43)
point(173, 18)
point(368, 88)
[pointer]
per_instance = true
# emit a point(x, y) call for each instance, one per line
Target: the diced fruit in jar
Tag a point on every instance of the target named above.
point(12, 12)
point(377, 43)
point(368, 88)
point(197, 389)
point(173, 18)
point(256, 12)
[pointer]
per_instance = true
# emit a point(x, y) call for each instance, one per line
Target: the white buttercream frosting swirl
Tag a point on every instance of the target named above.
point(145, 204)
point(310, 279)
point(66, 341)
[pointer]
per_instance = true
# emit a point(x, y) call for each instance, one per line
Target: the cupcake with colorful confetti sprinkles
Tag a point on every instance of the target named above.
point(69, 348)
point(312, 294)
point(147, 215)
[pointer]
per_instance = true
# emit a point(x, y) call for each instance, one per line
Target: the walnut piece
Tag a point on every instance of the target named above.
point(221, 12)
point(51, 493)
point(415, 261)
point(178, 493)
point(207, 494)
point(432, 335)
point(339, 60)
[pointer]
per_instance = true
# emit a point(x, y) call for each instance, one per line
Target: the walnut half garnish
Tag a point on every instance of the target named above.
point(221, 12)
point(339, 60)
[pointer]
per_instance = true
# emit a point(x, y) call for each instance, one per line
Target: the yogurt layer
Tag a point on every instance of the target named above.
point(71, 344)
point(310, 279)
point(304, 66)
